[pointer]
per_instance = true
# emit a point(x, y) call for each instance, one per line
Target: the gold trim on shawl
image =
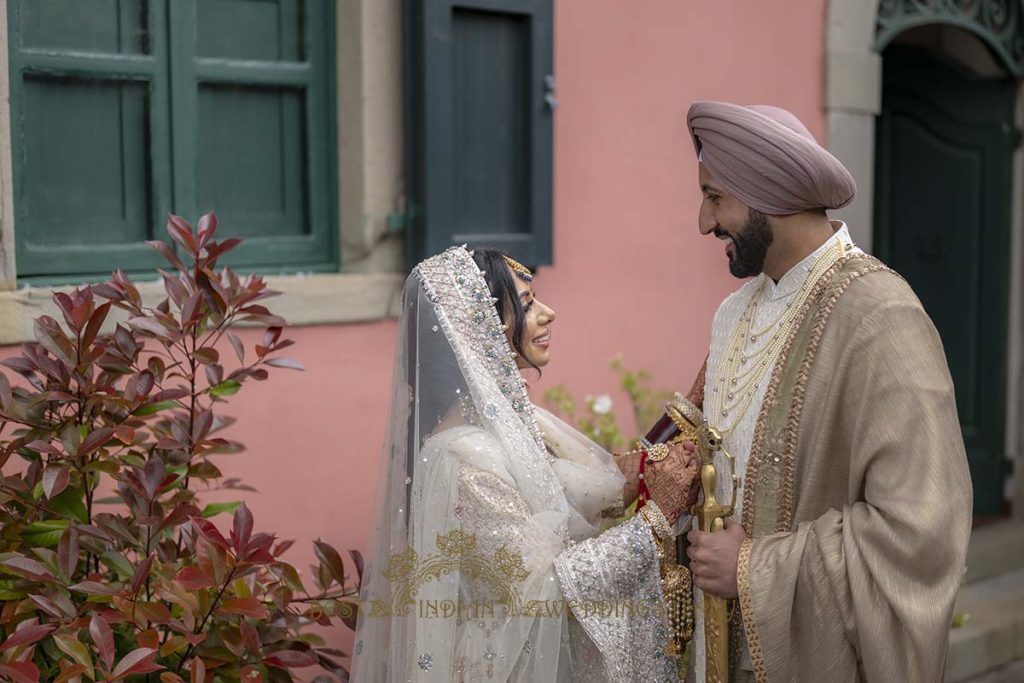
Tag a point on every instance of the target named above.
point(768, 497)
point(773, 453)
point(747, 611)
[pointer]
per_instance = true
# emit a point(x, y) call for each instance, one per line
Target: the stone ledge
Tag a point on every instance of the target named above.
point(305, 300)
point(995, 549)
point(993, 636)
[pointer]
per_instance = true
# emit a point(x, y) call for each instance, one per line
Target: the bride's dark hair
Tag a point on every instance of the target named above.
point(503, 288)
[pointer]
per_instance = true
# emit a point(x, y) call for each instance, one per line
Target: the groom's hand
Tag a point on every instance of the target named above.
point(713, 559)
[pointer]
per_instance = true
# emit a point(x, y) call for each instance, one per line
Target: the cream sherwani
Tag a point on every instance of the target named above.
point(831, 523)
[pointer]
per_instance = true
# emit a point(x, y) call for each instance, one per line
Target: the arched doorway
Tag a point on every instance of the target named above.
point(922, 101)
point(943, 181)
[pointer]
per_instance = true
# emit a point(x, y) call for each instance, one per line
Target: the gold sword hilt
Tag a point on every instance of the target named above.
point(711, 513)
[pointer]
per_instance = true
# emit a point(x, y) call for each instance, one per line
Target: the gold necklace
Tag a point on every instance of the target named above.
point(745, 371)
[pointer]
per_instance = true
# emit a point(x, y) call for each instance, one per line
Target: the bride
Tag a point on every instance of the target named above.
point(496, 555)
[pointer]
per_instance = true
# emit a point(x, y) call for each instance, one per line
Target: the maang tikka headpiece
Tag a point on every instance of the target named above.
point(521, 271)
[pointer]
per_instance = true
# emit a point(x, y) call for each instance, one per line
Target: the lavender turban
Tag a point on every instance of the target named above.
point(768, 159)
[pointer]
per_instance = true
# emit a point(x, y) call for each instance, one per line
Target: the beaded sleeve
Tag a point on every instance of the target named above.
point(610, 583)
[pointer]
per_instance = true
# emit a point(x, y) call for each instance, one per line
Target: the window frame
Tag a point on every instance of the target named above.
point(173, 73)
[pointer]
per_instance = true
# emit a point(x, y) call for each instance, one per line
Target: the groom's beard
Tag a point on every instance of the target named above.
point(750, 245)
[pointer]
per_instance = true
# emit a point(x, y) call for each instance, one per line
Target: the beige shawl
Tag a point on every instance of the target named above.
point(858, 494)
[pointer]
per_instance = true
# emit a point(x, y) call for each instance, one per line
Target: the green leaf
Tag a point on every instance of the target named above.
point(151, 408)
point(226, 388)
point(71, 646)
point(45, 533)
point(119, 563)
point(69, 503)
point(105, 466)
point(217, 508)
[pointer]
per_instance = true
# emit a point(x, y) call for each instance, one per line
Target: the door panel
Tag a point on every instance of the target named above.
point(943, 183)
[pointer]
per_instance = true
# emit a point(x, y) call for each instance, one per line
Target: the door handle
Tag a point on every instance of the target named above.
point(549, 92)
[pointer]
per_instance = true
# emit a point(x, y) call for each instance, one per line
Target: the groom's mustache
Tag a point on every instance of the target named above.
point(718, 232)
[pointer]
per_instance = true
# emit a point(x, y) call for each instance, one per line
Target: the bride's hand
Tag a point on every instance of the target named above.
point(672, 482)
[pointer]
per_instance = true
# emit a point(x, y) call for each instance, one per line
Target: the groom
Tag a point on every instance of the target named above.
point(830, 386)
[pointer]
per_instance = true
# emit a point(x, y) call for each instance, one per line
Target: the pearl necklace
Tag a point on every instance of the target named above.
point(744, 371)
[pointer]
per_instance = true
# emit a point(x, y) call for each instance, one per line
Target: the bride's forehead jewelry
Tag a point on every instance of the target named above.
point(521, 271)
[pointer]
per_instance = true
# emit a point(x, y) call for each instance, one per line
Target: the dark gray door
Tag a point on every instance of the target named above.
point(945, 143)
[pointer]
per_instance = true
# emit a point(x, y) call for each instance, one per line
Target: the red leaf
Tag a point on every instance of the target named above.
point(69, 671)
point(141, 572)
point(47, 605)
point(330, 557)
point(209, 531)
point(153, 476)
point(251, 674)
point(67, 551)
point(66, 306)
point(109, 291)
point(101, 634)
point(215, 250)
point(154, 612)
point(93, 588)
point(198, 670)
point(153, 327)
point(28, 634)
point(41, 446)
point(140, 661)
point(189, 308)
point(125, 435)
point(207, 355)
point(20, 672)
point(357, 557)
point(259, 549)
point(242, 529)
point(239, 347)
point(55, 480)
point(250, 637)
point(290, 363)
point(95, 439)
point(95, 323)
point(271, 336)
point(193, 579)
point(24, 566)
point(52, 338)
point(202, 425)
point(207, 226)
point(170, 394)
point(168, 253)
point(250, 607)
point(288, 659)
point(181, 232)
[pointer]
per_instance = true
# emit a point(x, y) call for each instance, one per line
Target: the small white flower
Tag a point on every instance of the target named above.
point(602, 404)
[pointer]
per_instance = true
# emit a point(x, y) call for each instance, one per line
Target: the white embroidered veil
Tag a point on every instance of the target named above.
point(455, 374)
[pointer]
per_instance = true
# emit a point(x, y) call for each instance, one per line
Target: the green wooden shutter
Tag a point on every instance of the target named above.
point(479, 78)
point(253, 141)
point(124, 110)
point(89, 121)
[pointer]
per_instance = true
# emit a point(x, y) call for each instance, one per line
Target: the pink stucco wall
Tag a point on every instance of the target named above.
point(632, 273)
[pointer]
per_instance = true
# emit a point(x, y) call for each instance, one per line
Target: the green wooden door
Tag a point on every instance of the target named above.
point(480, 91)
point(945, 142)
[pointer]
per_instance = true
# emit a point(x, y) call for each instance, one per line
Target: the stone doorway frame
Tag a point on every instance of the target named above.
point(853, 98)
